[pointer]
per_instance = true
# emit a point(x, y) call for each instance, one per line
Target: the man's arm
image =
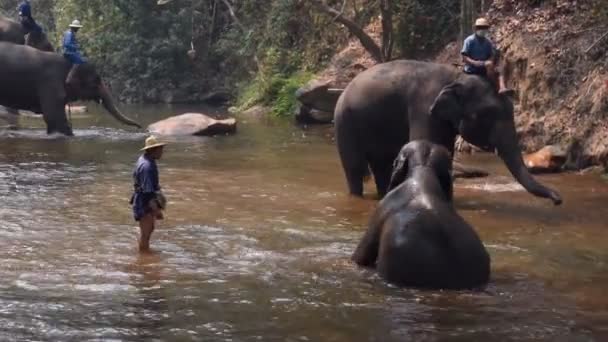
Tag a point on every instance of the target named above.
point(466, 53)
point(468, 60)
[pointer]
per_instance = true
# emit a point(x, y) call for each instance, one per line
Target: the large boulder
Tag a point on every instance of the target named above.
point(548, 159)
point(193, 124)
point(318, 95)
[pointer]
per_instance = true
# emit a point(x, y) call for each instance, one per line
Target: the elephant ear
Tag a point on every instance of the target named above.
point(448, 105)
point(400, 168)
point(443, 170)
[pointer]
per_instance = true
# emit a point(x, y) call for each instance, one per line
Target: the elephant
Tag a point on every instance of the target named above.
point(12, 31)
point(415, 237)
point(34, 80)
point(392, 103)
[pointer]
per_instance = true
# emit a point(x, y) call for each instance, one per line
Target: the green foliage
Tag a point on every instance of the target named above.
point(285, 102)
point(599, 9)
point(424, 27)
point(264, 55)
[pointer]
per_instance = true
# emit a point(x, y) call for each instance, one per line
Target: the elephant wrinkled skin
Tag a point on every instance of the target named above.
point(392, 103)
point(34, 80)
point(415, 237)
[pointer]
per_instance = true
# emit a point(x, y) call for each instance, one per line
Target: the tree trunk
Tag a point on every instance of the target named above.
point(386, 9)
point(467, 13)
point(368, 43)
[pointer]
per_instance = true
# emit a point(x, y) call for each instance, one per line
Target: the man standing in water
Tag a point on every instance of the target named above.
point(147, 200)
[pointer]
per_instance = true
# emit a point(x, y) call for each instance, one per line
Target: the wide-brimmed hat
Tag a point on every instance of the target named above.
point(76, 24)
point(482, 22)
point(152, 142)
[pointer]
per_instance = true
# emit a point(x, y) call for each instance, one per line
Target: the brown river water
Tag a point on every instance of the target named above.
point(256, 245)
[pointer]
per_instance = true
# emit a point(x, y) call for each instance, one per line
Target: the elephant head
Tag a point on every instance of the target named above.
point(474, 109)
point(422, 153)
point(89, 86)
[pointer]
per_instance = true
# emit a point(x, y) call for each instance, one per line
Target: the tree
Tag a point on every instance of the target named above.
point(379, 53)
point(467, 13)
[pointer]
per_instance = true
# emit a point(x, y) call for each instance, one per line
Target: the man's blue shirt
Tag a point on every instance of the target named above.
point(479, 49)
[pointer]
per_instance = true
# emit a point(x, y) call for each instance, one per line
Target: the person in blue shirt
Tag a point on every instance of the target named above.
point(71, 51)
point(147, 200)
point(480, 56)
point(26, 19)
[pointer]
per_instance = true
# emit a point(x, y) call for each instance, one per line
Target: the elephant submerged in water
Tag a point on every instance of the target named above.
point(392, 103)
point(415, 237)
point(34, 80)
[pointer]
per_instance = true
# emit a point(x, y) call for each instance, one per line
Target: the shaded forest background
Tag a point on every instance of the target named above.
point(258, 52)
point(254, 49)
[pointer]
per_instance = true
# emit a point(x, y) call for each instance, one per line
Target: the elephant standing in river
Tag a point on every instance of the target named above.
point(415, 237)
point(34, 80)
point(13, 32)
point(392, 103)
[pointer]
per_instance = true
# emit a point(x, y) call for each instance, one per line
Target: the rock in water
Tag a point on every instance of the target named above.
point(307, 115)
point(318, 95)
point(547, 159)
point(193, 124)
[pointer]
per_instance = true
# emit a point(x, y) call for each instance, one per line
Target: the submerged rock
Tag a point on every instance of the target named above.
point(462, 171)
point(548, 159)
point(307, 115)
point(193, 124)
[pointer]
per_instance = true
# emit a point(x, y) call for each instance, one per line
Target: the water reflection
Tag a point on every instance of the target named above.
point(256, 245)
point(149, 312)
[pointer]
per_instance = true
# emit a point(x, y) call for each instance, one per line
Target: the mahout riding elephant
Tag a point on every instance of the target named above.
point(14, 32)
point(34, 80)
point(392, 103)
point(415, 236)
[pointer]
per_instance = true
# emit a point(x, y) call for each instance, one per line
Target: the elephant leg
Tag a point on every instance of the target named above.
point(367, 250)
point(382, 167)
point(353, 163)
point(53, 113)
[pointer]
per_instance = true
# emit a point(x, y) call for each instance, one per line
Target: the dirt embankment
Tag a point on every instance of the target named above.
point(559, 74)
point(562, 84)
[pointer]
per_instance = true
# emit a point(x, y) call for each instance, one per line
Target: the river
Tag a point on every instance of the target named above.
point(256, 242)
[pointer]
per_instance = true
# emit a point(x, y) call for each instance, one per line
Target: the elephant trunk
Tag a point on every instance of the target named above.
point(108, 104)
point(510, 153)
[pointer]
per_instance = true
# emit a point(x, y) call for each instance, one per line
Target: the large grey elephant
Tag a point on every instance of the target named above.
point(392, 103)
point(34, 80)
point(415, 236)
point(12, 31)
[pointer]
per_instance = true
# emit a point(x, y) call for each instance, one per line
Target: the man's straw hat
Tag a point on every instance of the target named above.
point(152, 142)
point(76, 23)
point(482, 22)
